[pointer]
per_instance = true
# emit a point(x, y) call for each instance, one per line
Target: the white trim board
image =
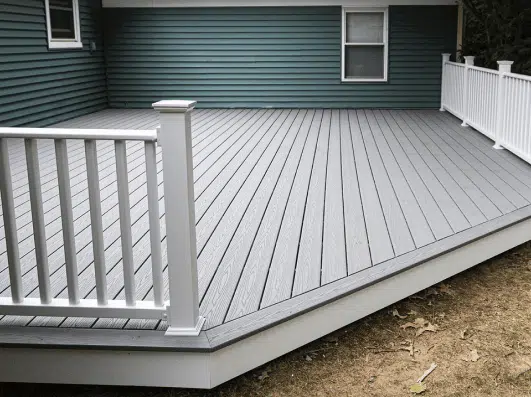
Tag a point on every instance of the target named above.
point(207, 370)
point(266, 3)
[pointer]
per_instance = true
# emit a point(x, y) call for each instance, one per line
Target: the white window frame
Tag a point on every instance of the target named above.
point(344, 44)
point(64, 43)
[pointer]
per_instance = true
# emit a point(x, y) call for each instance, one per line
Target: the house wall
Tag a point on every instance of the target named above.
point(268, 57)
point(39, 87)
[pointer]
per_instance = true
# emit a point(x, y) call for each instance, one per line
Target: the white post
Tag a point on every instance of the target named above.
point(469, 61)
point(503, 67)
point(175, 138)
point(445, 58)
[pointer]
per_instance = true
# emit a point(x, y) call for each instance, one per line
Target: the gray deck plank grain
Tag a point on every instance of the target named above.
point(475, 139)
point(500, 180)
point(469, 166)
point(431, 210)
point(516, 162)
point(250, 286)
point(415, 218)
point(278, 177)
point(308, 266)
point(334, 261)
point(452, 212)
point(465, 203)
point(397, 226)
point(286, 200)
point(240, 195)
point(287, 205)
point(356, 241)
point(464, 178)
point(213, 174)
point(377, 232)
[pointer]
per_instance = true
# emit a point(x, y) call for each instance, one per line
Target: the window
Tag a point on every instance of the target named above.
point(364, 46)
point(62, 23)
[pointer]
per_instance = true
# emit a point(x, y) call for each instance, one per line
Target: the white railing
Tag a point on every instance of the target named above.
point(174, 135)
point(497, 103)
point(454, 75)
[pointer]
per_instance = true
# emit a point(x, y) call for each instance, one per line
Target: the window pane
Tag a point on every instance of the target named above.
point(364, 62)
point(365, 27)
point(62, 19)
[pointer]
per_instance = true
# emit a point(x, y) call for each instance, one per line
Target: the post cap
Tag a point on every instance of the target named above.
point(446, 54)
point(469, 59)
point(505, 63)
point(174, 105)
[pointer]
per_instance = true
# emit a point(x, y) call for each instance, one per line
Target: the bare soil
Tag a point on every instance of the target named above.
point(476, 327)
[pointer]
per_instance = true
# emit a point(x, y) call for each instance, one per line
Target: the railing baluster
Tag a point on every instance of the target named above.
point(10, 226)
point(67, 220)
point(37, 216)
point(154, 222)
point(125, 222)
point(95, 221)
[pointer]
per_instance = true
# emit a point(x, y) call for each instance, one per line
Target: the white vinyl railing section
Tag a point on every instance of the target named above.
point(174, 136)
point(497, 103)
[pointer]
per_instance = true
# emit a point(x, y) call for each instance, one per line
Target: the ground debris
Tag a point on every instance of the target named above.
point(427, 372)
point(397, 314)
point(471, 356)
point(417, 388)
point(421, 325)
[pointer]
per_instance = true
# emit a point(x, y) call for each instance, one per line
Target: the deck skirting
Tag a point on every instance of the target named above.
point(150, 365)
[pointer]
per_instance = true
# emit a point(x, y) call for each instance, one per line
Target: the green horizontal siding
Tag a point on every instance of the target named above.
point(268, 57)
point(38, 86)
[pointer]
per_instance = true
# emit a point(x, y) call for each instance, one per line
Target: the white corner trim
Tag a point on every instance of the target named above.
point(54, 44)
point(176, 331)
point(266, 3)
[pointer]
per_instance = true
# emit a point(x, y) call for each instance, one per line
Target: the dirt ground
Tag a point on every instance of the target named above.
point(476, 327)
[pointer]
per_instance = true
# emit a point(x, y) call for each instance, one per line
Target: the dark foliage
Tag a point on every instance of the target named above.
point(498, 30)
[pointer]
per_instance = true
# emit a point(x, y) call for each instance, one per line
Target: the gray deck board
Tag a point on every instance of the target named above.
point(356, 241)
point(288, 202)
point(414, 217)
point(334, 261)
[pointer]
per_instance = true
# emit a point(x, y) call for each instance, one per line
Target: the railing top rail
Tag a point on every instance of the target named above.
point(492, 71)
point(517, 76)
point(71, 133)
point(455, 64)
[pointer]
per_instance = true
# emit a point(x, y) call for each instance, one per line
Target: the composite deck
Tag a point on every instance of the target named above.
point(288, 203)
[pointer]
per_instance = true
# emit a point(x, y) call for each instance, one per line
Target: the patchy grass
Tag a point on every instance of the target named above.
point(476, 327)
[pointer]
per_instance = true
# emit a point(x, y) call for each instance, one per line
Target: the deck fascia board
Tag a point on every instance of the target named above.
point(209, 369)
point(239, 330)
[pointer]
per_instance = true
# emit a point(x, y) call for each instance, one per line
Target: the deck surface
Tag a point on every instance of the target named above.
point(287, 201)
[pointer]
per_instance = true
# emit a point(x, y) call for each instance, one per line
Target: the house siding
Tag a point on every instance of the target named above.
point(38, 86)
point(269, 57)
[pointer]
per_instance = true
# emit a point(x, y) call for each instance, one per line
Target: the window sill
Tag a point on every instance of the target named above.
point(364, 80)
point(55, 45)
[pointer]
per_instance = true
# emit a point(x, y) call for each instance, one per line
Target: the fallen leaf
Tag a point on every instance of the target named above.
point(372, 379)
point(417, 388)
point(472, 355)
point(430, 327)
point(396, 314)
point(412, 313)
point(264, 375)
point(419, 322)
point(308, 358)
point(463, 334)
